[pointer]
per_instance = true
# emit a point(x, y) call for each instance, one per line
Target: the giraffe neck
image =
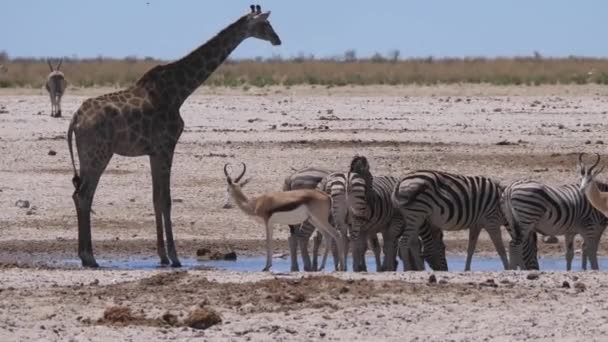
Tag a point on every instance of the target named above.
point(598, 199)
point(178, 80)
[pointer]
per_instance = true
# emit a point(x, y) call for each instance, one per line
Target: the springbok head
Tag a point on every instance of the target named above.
point(233, 186)
point(588, 173)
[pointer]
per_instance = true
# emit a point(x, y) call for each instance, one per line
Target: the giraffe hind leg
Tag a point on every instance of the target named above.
point(90, 172)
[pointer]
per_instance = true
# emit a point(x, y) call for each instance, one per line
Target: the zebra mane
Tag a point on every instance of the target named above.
point(360, 166)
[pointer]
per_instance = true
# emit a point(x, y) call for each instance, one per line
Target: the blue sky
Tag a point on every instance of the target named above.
point(169, 29)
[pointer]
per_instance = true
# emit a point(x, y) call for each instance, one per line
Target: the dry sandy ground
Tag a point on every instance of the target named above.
point(508, 133)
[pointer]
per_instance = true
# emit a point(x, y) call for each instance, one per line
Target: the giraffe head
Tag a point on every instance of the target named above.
point(259, 27)
point(234, 187)
point(587, 173)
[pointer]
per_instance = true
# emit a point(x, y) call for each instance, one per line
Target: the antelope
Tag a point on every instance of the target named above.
point(291, 207)
point(55, 85)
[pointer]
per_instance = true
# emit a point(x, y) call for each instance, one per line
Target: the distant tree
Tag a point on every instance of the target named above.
point(378, 58)
point(393, 55)
point(3, 57)
point(350, 55)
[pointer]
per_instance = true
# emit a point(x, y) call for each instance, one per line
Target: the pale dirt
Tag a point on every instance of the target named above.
point(453, 128)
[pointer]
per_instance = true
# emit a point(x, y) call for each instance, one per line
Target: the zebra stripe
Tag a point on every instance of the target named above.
point(531, 207)
point(431, 201)
point(372, 213)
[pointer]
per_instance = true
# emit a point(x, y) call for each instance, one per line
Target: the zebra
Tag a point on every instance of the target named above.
point(532, 207)
point(431, 201)
point(372, 212)
point(55, 85)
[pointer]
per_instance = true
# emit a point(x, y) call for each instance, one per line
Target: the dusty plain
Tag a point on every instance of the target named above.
point(508, 133)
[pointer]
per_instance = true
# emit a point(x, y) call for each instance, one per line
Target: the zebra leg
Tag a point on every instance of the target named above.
point(316, 245)
point(358, 247)
point(569, 251)
point(303, 242)
point(496, 237)
point(584, 257)
point(473, 236)
point(293, 253)
point(530, 251)
point(590, 245)
point(415, 255)
point(375, 245)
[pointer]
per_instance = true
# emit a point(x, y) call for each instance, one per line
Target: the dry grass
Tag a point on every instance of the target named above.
point(328, 72)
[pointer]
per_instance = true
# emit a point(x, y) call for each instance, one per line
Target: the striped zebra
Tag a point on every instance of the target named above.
point(432, 201)
point(55, 85)
point(372, 212)
point(299, 235)
point(533, 207)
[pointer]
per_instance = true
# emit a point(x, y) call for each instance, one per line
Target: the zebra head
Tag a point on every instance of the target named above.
point(588, 173)
point(233, 186)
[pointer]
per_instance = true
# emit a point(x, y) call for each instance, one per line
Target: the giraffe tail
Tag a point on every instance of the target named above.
point(76, 178)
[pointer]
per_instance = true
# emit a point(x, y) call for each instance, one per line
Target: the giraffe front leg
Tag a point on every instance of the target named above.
point(161, 177)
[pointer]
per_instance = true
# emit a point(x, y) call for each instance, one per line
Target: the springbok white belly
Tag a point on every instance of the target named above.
point(295, 216)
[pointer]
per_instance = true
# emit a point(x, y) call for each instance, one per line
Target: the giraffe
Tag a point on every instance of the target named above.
point(144, 119)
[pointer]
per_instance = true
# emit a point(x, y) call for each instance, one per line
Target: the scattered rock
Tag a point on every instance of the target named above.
point(432, 279)
point(587, 142)
point(202, 318)
point(118, 314)
point(178, 200)
point(542, 169)
point(550, 239)
point(599, 142)
point(561, 126)
point(497, 110)
point(489, 283)
point(330, 111)
point(329, 117)
point(566, 284)
point(580, 286)
point(170, 318)
point(52, 153)
point(505, 143)
point(253, 120)
point(442, 281)
point(206, 254)
point(533, 276)
point(23, 204)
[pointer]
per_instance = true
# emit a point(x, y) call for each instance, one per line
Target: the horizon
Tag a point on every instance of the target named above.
point(417, 29)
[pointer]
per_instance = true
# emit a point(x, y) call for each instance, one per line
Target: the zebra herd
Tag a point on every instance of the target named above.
point(411, 213)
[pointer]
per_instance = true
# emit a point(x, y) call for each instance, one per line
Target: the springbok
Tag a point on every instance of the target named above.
point(55, 85)
point(286, 207)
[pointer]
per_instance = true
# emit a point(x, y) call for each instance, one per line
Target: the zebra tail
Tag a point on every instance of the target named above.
point(76, 179)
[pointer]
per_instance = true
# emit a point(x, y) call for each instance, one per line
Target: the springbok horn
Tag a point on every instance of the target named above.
point(596, 162)
point(226, 173)
point(258, 9)
point(59, 65)
point(50, 66)
point(238, 179)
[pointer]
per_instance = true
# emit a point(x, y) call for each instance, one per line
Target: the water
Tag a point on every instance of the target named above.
point(254, 264)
